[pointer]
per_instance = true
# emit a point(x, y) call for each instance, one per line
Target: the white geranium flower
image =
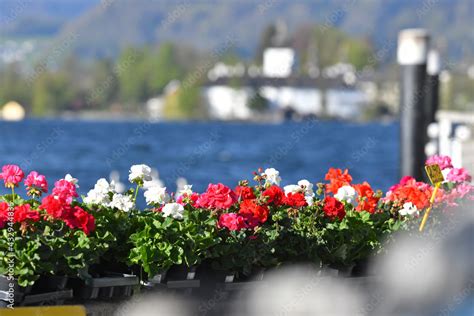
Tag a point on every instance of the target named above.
point(100, 193)
point(94, 197)
point(445, 173)
point(346, 193)
point(139, 173)
point(187, 189)
point(71, 179)
point(122, 202)
point(174, 210)
point(307, 187)
point(156, 195)
point(153, 183)
point(103, 185)
point(309, 199)
point(272, 176)
point(292, 188)
point(409, 209)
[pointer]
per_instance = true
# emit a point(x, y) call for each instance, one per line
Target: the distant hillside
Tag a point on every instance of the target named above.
point(39, 18)
point(109, 26)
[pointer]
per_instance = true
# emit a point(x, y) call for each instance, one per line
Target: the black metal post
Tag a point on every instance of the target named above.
point(412, 54)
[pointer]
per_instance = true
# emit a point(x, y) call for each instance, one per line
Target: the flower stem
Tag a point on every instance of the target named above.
point(136, 193)
point(13, 195)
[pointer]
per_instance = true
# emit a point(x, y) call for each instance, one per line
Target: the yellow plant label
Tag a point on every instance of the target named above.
point(434, 173)
point(44, 311)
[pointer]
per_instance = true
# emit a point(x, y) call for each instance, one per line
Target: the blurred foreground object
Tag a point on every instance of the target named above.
point(430, 273)
point(300, 290)
point(158, 305)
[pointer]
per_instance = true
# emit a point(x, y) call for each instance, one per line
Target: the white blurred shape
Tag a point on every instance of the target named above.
point(420, 273)
point(156, 305)
point(180, 183)
point(433, 130)
point(155, 182)
point(299, 290)
point(114, 177)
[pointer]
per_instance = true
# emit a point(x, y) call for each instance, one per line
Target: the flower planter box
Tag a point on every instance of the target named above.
point(157, 280)
point(47, 298)
point(11, 292)
point(50, 283)
point(182, 278)
point(48, 290)
point(105, 287)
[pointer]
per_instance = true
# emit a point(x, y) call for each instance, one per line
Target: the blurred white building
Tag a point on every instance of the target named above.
point(231, 88)
point(278, 62)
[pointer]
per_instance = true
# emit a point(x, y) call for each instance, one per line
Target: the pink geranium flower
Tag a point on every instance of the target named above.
point(458, 175)
point(36, 183)
point(444, 162)
point(65, 190)
point(231, 221)
point(186, 198)
point(217, 196)
point(11, 175)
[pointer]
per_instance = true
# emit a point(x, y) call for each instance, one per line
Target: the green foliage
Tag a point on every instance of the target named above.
point(24, 258)
point(13, 86)
point(354, 238)
point(335, 46)
point(163, 67)
point(132, 75)
point(160, 242)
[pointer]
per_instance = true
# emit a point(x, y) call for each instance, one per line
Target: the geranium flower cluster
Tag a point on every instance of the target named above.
point(57, 206)
point(244, 206)
point(410, 197)
point(362, 196)
point(104, 194)
point(247, 207)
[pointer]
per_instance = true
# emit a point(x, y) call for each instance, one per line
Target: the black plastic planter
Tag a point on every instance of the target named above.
point(181, 272)
point(158, 281)
point(104, 288)
point(182, 279)
point(10, 292)
point(47, 298)
point(50, 283)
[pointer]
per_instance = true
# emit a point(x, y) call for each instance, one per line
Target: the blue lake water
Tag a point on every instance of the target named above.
point(202, 152)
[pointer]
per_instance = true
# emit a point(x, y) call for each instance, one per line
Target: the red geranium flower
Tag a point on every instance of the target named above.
point(78, 218)
point(295, 200)
point(253, 213)
point(24, 213)
point(231, 221)
point(409, 190)
point(244, 193)
point(366, 198)
point(333, 208)
point(337, 179)
point(56, 207)
point(4, 208)
point(217, 196)
point(275, 195)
